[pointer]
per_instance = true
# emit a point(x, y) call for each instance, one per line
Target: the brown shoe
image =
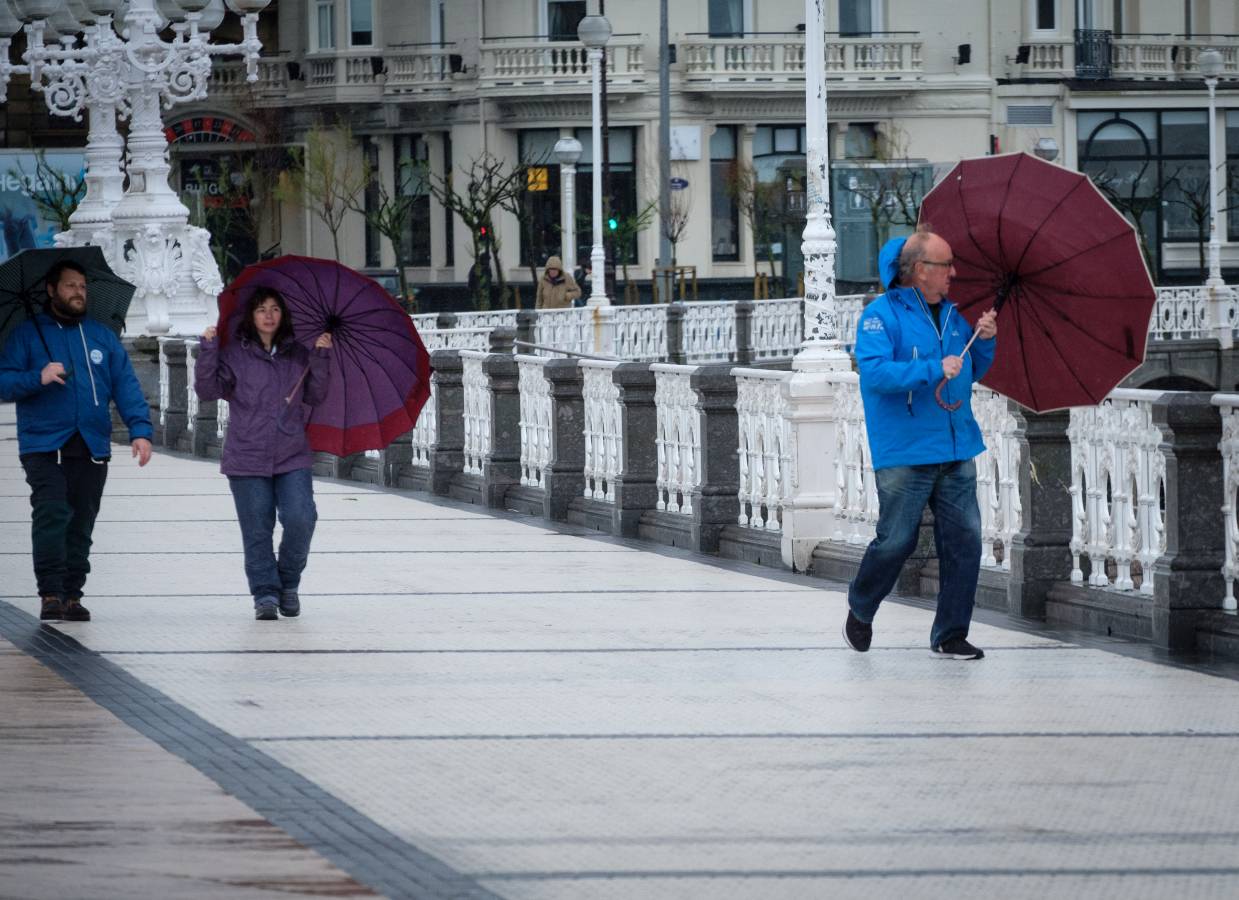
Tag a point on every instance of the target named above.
point(75, 612)
point(53, 608)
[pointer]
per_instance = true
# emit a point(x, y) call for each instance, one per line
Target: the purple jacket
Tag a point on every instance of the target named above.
point(266, 436)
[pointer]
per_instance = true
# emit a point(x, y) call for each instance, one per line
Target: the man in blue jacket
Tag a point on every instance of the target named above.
point(922, 445)
point(64, 369)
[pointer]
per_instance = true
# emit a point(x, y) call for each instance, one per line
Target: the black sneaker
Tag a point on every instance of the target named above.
point(53, 608)
point(266, 609)
point(75, 612)
point(957, 648)
point(858, 634)
point(290, 604)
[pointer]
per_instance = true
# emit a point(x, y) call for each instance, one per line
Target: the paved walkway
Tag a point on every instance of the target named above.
point(487, 706)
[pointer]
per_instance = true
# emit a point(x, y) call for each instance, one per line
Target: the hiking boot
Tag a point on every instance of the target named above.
point(957, 648)
point(266, 609)
point(858, 634)
point(53, 608)
point(74, 611)
point(290, 604)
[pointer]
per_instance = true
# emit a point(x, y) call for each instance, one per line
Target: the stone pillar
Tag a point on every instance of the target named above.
point(205, 422)
point(716, 502)
point(395, 458)
point(636, 488)
point(502, 466)
point(744, 332)
point(675, 332)
point(808, 515)
point(174, 402)
point(1041, 549)
point(445, 320)
point(447, 457)
point(565, 476)
point(1188, 577)
point(526, 320)
point(502, 340)
point(144, 356)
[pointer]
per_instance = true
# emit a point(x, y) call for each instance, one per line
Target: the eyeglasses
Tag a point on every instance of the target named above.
point(930, 262)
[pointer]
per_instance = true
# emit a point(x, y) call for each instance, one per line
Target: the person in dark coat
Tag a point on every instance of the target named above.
point(64, 370)
point(271, 383)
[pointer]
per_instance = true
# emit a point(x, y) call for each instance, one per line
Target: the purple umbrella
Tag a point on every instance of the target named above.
point(380, 377)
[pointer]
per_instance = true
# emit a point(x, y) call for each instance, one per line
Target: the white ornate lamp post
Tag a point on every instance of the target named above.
point(1046, 148)
point(128, 69)
point(567, 152)
point(1210, 62)
point(594, 32)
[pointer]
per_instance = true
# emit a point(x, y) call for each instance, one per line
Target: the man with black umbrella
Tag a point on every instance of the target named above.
point(64, 370)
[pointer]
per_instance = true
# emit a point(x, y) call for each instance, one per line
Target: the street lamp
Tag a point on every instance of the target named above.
point(567, 152)
point(1210, 62)
point(127, 69)
point(1046, 148)
point(594, 32)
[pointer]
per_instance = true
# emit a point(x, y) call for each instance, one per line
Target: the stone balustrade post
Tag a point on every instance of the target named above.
point(502, 466)
point(1187, 578)
point(1041, 549)
point(445, 320)
point(744, 332)
point(206, 421)
point(1221, 302)
point(174, 401)
point(526, 326)
point(636, 487)
point(564, 477)
point(502, 339)
point(447, 456)
point(144, 356)
point(675, 333)
point(716, 500)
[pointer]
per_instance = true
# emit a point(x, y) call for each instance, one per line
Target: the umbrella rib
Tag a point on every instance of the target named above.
point(1019, 331)
point(1052, 266)
point(1034, 313)
point(1042, 224)
point(1035, 310)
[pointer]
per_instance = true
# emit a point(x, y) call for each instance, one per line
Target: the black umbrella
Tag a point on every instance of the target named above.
point(23, 287)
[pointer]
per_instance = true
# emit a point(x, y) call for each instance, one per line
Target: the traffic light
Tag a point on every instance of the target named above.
point(483, 232)
point(612, 223)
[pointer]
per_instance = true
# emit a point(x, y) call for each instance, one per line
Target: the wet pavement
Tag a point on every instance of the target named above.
point(477, 705)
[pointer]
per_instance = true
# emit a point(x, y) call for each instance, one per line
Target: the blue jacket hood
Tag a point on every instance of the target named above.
point(888, 261)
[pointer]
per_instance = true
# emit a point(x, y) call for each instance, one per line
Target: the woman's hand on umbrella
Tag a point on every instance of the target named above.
point(951, 366)
point(209, 334)
point(324, 341)
point(987, 325)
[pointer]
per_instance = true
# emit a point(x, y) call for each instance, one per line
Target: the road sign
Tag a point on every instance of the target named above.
point(678, 184)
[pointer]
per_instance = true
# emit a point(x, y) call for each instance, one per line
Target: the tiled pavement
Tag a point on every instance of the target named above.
point(476, 705)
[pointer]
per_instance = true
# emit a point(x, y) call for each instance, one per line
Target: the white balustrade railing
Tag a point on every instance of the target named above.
point(477, 419)
point(766, 60)
point(765, 439)
point(856, 492)
point(677, 437)
point(998, 487)
point(425, 321)
point(425, 430)
point(542, 63)
point(191, 398)
point(569, 329)
point(640, 332)
point(165, 381)
point(1181, 313)
point(490, 318)
point(1117, 482)
point(603, 432)
point(535, 420)
point(221, 419)
point(847, 313)
point(231, 79)
point(1229, 448)
point(455, 338)
point(776, 328)
point(427, 70)
point(708, 331)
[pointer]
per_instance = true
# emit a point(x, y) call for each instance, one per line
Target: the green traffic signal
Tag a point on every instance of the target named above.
point(613, 223)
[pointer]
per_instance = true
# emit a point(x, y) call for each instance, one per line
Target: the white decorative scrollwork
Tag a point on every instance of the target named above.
point(677, 437)
point(603, 434)
point(535, 420)
point(1229, 448)
point(764, 431)
point(477, 411)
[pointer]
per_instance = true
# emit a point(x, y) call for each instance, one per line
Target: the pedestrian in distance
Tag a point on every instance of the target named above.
point(922, 437)
point(65, 370)
point(271, 383)
point(556, 288)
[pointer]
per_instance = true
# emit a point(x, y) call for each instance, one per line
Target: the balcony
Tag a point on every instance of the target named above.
point(345, 76)
point(1099, 54)
point(762, 60)
point(422, 69)
point(534, 65)
point(228, 80)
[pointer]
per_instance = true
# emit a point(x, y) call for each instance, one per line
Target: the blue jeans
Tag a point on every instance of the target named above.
point(258, 500)
point(950, 489)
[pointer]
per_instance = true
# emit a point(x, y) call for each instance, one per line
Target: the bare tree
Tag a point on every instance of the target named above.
point(1188, 187)
point(1123, 190)
point(894, 187)
point(761, 204)
point(626, 230)
point(675, 223)
point(391, 211)
point(324, 180)
point(55, 192)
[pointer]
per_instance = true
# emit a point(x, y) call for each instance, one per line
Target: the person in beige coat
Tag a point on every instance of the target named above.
point(556, 288)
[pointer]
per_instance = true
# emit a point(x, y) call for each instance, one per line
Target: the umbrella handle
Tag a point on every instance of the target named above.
point(949, 407)
point(289, 399)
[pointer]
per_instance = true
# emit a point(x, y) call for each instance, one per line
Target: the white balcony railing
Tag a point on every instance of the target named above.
point(420, 71)
point(541, 64)
point(477, 415)
point(228, 79)
point(772, 60)
point(535, 420)
point(763, 420)
point(1229, 447)
point(677, 437)
point(1160, 57)
point(603, 431)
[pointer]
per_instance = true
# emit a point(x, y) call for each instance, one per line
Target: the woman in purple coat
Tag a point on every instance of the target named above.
point(270, 382)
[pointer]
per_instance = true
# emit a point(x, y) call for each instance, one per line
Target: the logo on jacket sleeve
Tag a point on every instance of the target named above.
point(96, 356)
point(873, 323)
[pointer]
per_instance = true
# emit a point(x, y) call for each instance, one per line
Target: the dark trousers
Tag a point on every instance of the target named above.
point(65, 490)
point(259, 500)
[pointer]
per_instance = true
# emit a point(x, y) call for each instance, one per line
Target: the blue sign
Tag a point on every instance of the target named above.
point(678, 184)
point(23, 224)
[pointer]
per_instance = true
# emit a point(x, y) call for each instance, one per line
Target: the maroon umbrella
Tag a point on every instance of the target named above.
point(380, 374)
point(1064, 269)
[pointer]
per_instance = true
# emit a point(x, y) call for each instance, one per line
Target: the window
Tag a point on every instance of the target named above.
point(623, 188)
point(563, 17)
point(449, 258)
point(856, 18)
point(724, 211)
point(360, 23)
point(324, 25)
point(1045, 15)
point(1232, 173)
point(540, 225)
point(860, 141)
point(1086, 14)
point(412, 167)
point(726, 18)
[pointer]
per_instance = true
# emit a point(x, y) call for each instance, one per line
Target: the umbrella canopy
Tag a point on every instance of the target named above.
point(23, 287)
point(1062, 266)
point(380, 375)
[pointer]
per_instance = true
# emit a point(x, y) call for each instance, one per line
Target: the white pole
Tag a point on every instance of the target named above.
point(1215, 230)
point(597, 256)
point(567, 215)
point(820, 351)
